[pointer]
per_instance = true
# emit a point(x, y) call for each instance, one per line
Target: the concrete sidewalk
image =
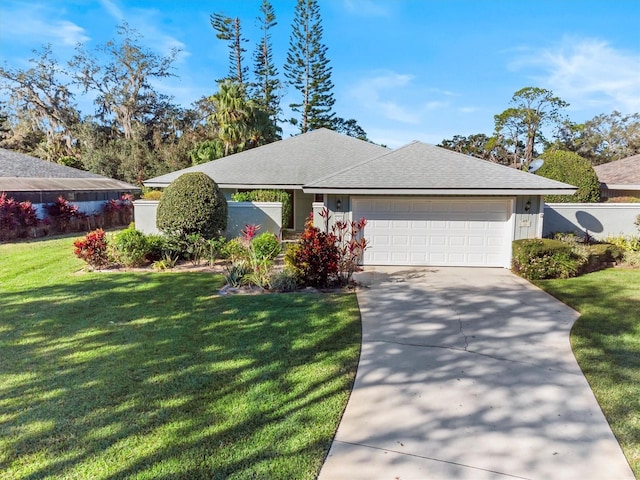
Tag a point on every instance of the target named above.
point(468, 374)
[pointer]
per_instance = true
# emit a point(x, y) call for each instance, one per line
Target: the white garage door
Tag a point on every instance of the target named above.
point(443, 232)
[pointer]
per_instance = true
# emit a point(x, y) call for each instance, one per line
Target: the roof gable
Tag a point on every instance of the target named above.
point(290, 162)
point(422, 167)
point(620, 172)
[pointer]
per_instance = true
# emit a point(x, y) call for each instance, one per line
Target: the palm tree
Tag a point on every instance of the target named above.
point(240, 122)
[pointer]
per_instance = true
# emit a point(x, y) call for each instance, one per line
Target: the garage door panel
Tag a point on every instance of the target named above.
point(380, 240)
point(453, 232)
point(456, 240)
point(475, 241)
point(419, 240)
point(400, 224)
point(400, 240)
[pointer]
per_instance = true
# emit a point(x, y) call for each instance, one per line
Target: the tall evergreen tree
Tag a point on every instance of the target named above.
point(307, 69)
point(267, 86)
point(229, 29)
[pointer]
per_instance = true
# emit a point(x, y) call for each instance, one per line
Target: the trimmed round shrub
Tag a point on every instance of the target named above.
point(130, 247)
point(571, 168)
point(235, 250)
point(266, 245)
point(192, 204)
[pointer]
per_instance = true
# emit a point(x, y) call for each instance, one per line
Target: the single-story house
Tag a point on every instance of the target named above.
point(424, 205)
point(620, 178)
point(26, 178)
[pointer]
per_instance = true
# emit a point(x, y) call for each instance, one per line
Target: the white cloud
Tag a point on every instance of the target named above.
point(114, 10)
point(396, 96)
point(587, 73)
point(38, 25)
point(380, 92)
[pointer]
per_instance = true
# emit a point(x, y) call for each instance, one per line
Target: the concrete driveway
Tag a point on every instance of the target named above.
point(468, 374)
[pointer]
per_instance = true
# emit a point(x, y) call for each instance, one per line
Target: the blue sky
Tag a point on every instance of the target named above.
point(405, 69)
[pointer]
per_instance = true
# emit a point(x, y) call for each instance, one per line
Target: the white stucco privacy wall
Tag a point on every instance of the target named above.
point(599, 219)
point(144, 216)
point(266, 214)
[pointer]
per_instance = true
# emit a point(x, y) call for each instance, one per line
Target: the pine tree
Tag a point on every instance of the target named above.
point(307, 69)
point(267, 85)
point(229, 29)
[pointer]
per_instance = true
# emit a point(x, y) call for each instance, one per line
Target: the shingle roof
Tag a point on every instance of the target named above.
point(422, 167)
point(290, 162)
point(14, 164)
point(620, 172)
point(23, 173)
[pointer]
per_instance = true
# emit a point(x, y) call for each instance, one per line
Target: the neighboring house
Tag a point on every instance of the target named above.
point(424, 205)
point(620, 178)
point(26, 178)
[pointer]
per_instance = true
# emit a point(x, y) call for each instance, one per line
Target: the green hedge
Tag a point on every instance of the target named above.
point(268, 196)
point(542, 258)
point(571, 168)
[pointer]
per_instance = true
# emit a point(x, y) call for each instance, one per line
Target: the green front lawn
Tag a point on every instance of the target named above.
point(153, 375)
point(606, 343)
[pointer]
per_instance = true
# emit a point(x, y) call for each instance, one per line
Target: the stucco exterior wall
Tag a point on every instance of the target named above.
point(266, 214)
point(599, 219)
point(528, 217)
point(302, 207)
point(144, 216)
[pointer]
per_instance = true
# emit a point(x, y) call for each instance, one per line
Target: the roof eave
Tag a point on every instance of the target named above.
point(441, 191)
point(252, 186)
point(620, 186)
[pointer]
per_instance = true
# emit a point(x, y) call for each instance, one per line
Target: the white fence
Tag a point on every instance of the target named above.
point(266, 214)
point(600, 220)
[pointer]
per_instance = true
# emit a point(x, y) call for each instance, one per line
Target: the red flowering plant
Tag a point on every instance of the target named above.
point(119, 211)
point(16, 217)
point(317, 258)
point(351, 246)
point(93, 249)
point(249, 232)
point(62, 213)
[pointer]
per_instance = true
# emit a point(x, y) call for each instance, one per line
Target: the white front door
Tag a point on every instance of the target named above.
point(447, 231)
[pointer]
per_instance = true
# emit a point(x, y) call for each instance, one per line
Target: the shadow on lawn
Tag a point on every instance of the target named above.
point(156, 373)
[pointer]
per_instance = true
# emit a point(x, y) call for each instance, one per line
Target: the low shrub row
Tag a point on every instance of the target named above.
point(132, 248)
point(320, 259)
point(543, 258)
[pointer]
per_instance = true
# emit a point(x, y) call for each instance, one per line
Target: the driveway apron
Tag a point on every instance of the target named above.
point(468, 374)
